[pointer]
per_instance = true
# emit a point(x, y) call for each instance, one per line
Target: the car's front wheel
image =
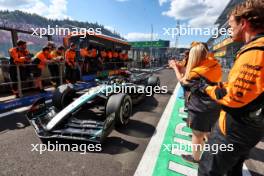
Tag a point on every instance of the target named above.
point(63, 96)
point(121, 106)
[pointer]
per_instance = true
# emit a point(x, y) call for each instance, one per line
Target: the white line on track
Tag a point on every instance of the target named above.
point(148, 160)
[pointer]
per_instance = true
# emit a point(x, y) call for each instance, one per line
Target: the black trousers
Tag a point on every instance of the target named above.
point(241, 137)
point(54, 72)
point(72, 74)
point(24, 74)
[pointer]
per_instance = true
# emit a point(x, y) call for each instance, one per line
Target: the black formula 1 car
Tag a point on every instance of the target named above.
point(90, 114)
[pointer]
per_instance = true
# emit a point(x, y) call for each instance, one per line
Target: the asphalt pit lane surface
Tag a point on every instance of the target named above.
point(137, 129)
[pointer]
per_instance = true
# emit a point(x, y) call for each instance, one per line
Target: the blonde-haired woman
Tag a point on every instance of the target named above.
point(203, 112)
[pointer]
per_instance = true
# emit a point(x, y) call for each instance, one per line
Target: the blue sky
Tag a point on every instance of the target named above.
point(131, 18)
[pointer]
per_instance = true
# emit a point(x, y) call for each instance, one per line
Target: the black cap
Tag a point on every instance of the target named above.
point(61, 48)
point(45, 48)
point(21, 42)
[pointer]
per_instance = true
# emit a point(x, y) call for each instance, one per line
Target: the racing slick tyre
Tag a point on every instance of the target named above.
point(121, 106)
point(153, 81)
point(63, 96)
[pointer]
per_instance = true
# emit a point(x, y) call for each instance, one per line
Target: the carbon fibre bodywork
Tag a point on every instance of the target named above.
point(92, 113)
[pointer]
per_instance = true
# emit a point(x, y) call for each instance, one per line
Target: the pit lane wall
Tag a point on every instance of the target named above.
point(88, 82)
point(26, 101)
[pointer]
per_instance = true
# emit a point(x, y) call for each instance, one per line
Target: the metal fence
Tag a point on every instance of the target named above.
point(28, 83)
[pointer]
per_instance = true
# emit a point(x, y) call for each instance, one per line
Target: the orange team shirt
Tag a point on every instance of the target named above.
point(115, 54)
point(55, 54)
point(70, 57)
point(125, 56)
point(84, 52)
point(209, 69)
point(110, 54)
point(120, 55)
point(94, 53)
point(43, 60)
point(18, 56)
point(245, 80)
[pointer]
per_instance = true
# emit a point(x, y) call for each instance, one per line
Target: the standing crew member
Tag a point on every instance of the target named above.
point(120, 59)
point(102, 58)
point(53, 65)
point(203, 112)
point(94, 59)
point(72, 72)
point(57, 59)
point(109, 59)
point(19, 55)
point(240, 125)
point(58, 55)
point(103, 55)
point(40, 59)
point(115, 59)
point(125, 56)
point(84, 55)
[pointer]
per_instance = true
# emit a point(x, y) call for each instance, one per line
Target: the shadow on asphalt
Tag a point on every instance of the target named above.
point(137, 129)
point(148, 104)
point(170, 92)
point(13, 123)
point(111, 145)
point(117, 145)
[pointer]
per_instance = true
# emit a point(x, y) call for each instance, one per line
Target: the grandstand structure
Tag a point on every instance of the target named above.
point(223, 47)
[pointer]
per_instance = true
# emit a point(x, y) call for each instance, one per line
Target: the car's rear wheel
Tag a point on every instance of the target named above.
point(121, 106)
point(63, 96)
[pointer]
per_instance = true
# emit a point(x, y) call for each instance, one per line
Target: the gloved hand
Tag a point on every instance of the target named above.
point(220, 91)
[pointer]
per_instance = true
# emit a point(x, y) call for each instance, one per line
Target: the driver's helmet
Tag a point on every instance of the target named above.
point(125, 73)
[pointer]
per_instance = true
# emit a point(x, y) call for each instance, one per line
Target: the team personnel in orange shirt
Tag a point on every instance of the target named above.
point(115, 54)
point(115, 59)
point(40, 59)
point(92, 59)
point(57, 58)
point(19, 55)
point(108, 59)
point(103, 54)
point(241, 121)
point(203, 112)
point(84, 55)
point(58, 55)
point(109, 55)
point(72, 72)
point(53, 65)
point(125, 56)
